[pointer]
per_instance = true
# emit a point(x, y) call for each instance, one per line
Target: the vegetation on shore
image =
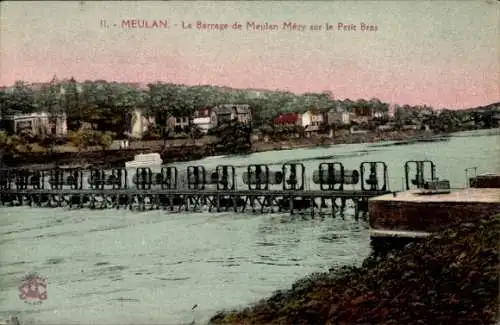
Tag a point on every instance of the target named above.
point(99, 112)
point(108, 106)
point(449, 278)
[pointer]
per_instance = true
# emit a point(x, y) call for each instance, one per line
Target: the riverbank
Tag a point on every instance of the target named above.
point(341, 138)
point(185, 150)
point(455, 284)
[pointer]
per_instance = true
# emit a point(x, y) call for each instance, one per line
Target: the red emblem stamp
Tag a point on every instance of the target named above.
point(33, 289)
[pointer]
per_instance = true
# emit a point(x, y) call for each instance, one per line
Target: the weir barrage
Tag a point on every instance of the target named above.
point(289, 188)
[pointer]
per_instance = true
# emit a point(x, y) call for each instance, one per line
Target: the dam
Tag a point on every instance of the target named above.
point(260, 188)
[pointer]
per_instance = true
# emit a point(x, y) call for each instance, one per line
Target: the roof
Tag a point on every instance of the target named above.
point(226, 109)
point(204, 112)
point(286, 118)
point(314, 111)
point(34, 115)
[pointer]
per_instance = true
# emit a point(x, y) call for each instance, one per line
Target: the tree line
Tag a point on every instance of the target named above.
point(108, 106)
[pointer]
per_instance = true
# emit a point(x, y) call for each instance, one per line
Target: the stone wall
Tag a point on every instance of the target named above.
point(429, 217)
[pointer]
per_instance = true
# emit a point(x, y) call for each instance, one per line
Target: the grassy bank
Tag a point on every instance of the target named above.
point(449, 278)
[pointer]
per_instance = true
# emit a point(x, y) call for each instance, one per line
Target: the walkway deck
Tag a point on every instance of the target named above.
point(347, 194)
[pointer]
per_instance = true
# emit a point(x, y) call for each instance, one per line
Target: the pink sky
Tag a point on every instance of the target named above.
point(443, 54)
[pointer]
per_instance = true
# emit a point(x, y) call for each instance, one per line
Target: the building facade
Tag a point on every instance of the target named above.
point(205, 119)
point(312, 118)
point(335, 117)
point(36, 124)
point(231, 112)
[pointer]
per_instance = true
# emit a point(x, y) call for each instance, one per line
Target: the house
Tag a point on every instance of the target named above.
point(205, 119)
point(338, 117)
point(176, 122)
point(312, 120)
point(140, 124)
point(231, 112)
point(39, 124)
point(287, 119)
point(381, 115)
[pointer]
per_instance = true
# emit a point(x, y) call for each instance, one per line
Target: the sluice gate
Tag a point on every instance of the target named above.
point(263, 189)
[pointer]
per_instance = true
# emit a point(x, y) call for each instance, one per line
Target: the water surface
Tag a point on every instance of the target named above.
point(123, 267)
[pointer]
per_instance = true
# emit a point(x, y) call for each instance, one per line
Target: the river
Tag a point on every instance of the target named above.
point(123, 267)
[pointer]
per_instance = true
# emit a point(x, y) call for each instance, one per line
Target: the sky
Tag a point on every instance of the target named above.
point(440, 53)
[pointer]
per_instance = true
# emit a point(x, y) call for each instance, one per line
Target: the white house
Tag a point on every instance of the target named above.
point(311, 121)
point(205, 119)
point(38, 124)
point(312, 118)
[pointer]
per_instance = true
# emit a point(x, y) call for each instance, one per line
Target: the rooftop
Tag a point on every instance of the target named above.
point(287, 118)
point(228, 108)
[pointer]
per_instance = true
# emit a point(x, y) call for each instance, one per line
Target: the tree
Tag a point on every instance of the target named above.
point(48, 99)
point(3, 106)
point(10, 144)
point(19, 99)
point(128, 100)
point(82, 139)
point(99, 106)
point(105, 140)
point(72, 103)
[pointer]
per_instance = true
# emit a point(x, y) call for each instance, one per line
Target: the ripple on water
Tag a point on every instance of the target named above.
point(122, 299)
point(97, 293)
point(106, 228)
point(57, 234)
point(266, 244)
point(332, 237)
point(54, 261)
point(184, 278)
point(112, 268)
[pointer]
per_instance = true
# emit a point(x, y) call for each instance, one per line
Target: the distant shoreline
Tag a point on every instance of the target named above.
point(188, 152)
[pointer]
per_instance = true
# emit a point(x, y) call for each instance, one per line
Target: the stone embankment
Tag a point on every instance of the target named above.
point(448, 278)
